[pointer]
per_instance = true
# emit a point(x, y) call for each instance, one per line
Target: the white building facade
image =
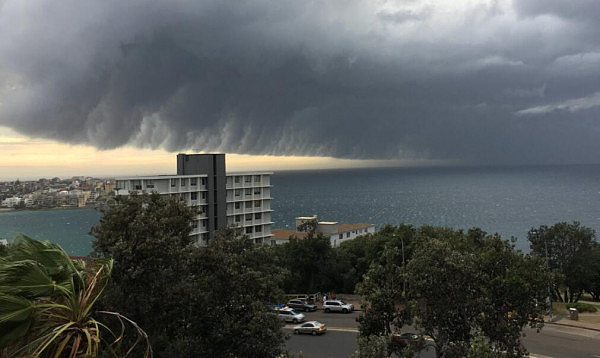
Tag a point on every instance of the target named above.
point(336, 232)
point(233, 199)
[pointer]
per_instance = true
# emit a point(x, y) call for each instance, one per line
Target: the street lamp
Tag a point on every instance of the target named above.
point(549, 298)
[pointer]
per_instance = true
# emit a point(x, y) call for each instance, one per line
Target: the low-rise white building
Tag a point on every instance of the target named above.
point(11, 202)
point(336, 232)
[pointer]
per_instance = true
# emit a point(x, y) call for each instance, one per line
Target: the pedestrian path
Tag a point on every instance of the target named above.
point(563, 320)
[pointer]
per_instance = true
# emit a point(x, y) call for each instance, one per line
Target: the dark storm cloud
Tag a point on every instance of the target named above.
point(483, 83)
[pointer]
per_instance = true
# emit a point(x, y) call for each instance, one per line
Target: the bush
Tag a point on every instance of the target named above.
point(582, 307)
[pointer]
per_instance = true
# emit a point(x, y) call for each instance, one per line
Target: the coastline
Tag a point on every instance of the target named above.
point(11, 210)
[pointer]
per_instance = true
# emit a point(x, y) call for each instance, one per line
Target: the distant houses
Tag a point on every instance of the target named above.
point(44, 193)
point(336, 232)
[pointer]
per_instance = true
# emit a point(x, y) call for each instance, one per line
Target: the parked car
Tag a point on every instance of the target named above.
point(337, 306)
point(301, 305)
point(404, 339)
point(290, 315)
point(311, 327)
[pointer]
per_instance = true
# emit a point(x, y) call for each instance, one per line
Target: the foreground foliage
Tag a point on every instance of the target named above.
point(193, 301)
point(47, 301)
point(460, 287)
point(573, 255)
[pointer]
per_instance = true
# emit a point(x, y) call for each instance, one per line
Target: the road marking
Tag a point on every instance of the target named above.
point(539, 356)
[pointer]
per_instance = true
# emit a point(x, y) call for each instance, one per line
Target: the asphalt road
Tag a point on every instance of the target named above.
point(340, 339)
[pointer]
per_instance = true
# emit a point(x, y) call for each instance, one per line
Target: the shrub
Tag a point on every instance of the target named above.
point(582, 307)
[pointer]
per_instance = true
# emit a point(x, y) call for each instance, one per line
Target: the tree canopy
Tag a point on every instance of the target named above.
point(190, 299)
point(568, 249)
point(459, 286)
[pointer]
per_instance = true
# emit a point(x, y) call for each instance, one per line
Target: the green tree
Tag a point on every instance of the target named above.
point(148, 238)
point(208, 301)
point(47, 301)
point(3, 250)
point(457, 284)
point(594, 288)
point(384, 303)
point(308, 262)
point(383, 288)
point(354, 257)
point(568, 251)
point(233, 281)
point(469, 282)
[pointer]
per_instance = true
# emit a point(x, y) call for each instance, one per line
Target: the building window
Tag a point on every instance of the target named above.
point(149, 184)
point(203, 195)
point(203, 181)
point(248, 205)
point(256, 191)
point(194, 224)
point(257, 178)
point(247, 179)
point(193, 181)
point(173, 181)
point(237, 179)
point(183, 182)
point(137, 185)
point(257, 203)
point(348, 234)
point(194, 195)
point(248, 191)
point(248, 217)
point(238, 192)
point(238, 218)
point(203, 223)
point(249, 230)
point(258, 228)
point(258, 216)
point(238, 205)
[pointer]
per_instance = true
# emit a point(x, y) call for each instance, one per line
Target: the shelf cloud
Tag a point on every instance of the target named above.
point(492, 82)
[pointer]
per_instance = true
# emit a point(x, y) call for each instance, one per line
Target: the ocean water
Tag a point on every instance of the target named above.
point(507, 200)
point(68, 227)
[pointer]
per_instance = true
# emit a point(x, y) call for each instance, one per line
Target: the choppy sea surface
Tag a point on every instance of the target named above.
point(506, 200)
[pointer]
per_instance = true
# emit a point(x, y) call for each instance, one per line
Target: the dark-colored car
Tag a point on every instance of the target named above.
point(405, 339)
point(311, 327)
point(301, 304)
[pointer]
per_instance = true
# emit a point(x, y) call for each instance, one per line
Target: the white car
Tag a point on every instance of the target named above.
point(337, 306)
point(289, 315)
point(311, 327)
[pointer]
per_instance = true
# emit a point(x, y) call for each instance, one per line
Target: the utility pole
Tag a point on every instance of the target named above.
point(403, 269)
point(549, 300)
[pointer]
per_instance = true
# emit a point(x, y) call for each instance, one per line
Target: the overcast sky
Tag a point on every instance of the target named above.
point(473, 82)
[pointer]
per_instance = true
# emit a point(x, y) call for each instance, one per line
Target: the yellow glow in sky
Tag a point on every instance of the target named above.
point(28, 158)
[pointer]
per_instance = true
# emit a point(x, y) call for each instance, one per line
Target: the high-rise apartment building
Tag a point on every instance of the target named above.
point(223, 199)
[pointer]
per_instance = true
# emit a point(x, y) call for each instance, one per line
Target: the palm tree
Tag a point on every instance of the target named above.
point(46, 302)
